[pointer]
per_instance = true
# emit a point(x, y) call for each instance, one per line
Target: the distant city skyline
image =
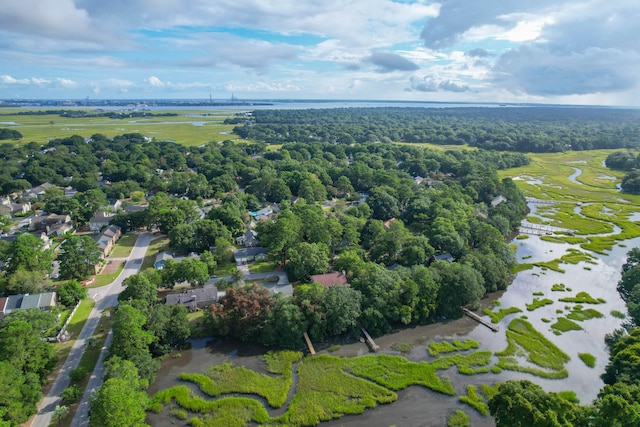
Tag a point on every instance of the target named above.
point(559, 52)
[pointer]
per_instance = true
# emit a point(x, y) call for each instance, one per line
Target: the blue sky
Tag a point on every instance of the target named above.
point(578, 52)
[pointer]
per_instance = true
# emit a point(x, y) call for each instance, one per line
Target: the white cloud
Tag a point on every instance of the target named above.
point(154, 81)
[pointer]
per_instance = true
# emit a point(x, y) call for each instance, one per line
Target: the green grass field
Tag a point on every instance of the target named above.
point(188, 128)
point(124, 246)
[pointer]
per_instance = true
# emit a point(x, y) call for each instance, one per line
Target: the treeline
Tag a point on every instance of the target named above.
point(524, 129)
point(524, 403)
point(6, 133)
point(626, 161)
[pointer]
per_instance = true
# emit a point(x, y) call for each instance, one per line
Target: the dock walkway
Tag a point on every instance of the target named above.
point(471, 314)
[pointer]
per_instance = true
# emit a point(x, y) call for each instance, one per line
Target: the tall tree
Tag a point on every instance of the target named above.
point(78, 257)
point(27, 252)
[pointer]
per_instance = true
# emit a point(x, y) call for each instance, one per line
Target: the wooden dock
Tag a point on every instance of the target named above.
point(471, 314)
point(308, 340)
point(372, 345)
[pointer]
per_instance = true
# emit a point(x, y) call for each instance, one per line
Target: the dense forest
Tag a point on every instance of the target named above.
point(524, 129)
point(626, 161)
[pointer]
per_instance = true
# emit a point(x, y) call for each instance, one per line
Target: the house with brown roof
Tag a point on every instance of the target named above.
point(330, 279)
point(3, 304)
point(107, 239)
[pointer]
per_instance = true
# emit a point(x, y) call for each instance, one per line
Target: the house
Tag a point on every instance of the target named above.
point(498, 200)
point(59, 229)
point(13, 303)
point(99, 221)
point(47, 301)
point(330, 279)
point(114, 204)
point(52, 224)
point(161, 260)
point(442, 257)
point(249, 239)
point(134, 208)
point(70, 192)
point(194, 299)
point(36, 192)
point(107, 239)
point(29, 301)
point(14, 209)
point(243, 256)
point(418, 180)
point(264, 213)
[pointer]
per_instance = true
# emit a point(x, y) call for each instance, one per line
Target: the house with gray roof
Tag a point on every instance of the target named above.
point(161, 260)
point(243, 256)
point(100, 220)
point(249, 239)
point(30, 301)
point(13, 303)
point(194, 299)
point(47, 301)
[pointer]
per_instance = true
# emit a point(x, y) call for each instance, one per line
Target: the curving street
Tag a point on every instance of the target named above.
point(106, 296)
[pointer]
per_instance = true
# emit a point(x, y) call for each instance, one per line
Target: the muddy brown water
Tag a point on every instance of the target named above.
point(416, 405)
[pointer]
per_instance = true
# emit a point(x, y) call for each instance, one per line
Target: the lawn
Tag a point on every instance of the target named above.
point(124, 246)
point(157, 245)
point(106, 279)
point(262, 267)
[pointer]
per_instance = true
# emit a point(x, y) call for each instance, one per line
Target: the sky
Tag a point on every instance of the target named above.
point(542, 51)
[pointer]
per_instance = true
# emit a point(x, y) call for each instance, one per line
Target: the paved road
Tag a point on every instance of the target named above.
point(105, 296)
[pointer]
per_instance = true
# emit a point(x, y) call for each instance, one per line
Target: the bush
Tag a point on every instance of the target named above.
point(71, 395)
point(78, 374)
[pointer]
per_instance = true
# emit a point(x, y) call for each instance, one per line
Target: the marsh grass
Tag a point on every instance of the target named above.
point(618, 314)
point(328, 387)
point(565, 325)
point(467, 364)
point(579, 314)
point(558, 287)
point(588, 359)
point(497, 316)
point(458, 419)
point(583, 298)
point(524, 341)
point(537, 303)
point(227, 378)
point(402, 347)
point(436, 348)
point(475, 400)
point(180, 128)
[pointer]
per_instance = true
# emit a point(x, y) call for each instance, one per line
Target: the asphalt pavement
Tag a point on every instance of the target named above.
point(105, 297)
